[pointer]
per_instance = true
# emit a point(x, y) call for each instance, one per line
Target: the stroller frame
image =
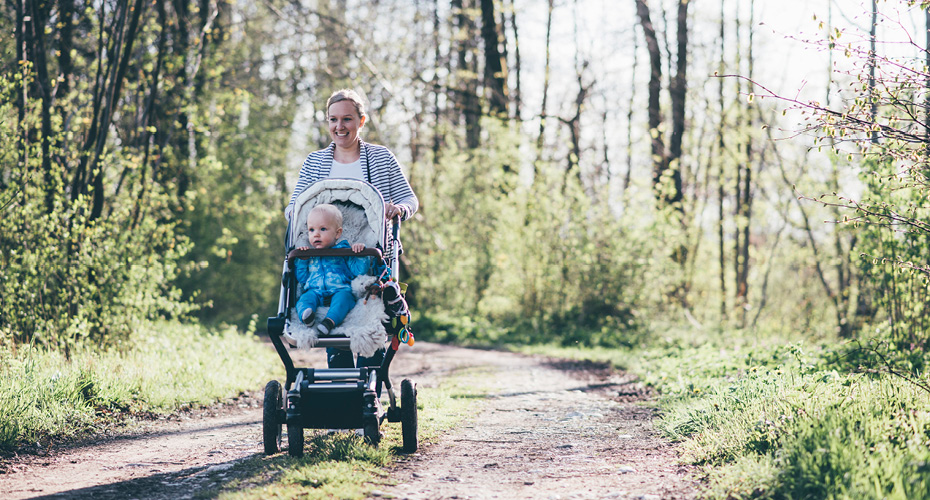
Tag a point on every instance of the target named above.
point(333, 398)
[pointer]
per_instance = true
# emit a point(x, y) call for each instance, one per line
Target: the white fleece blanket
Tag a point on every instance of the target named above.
point(363, 325)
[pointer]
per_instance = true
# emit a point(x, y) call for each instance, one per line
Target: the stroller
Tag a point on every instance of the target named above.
point(342, 398)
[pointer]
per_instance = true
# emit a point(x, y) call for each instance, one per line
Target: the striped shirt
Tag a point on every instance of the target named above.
point(379, 167)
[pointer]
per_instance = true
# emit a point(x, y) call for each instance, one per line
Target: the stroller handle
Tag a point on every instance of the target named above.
point(332, 252)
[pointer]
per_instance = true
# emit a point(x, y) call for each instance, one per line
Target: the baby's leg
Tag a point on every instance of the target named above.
point(308, 302)
point(340, 305)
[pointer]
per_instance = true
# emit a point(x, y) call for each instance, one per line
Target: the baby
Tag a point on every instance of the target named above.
point(328, 276)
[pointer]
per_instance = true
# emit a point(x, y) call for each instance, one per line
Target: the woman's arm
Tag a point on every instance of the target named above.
point(388, 177)
point(402, 194)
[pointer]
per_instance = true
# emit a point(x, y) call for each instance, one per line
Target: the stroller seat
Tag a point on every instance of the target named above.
point(363, 221)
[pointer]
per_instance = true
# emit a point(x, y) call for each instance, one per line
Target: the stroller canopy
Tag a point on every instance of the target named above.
point(361, 205)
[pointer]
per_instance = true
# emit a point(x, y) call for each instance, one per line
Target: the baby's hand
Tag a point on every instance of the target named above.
point(303, 248)
point(358, 247)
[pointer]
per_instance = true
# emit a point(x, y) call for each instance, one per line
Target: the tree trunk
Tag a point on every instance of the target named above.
point(927, 95)
point(123, 55)
point(543, 115)
point(22, 92)
point(517, 95)
point(574, 123)
point(745, 216)
point(678, 92)
point(629, 117)
point(469, 106)
point(65, 70)
point(150, 114)
point(437, 108)
point(182, 51)
point(738, 300)
point(721, 175)
point(37, 13)
point(495, 70)
point(871, 63)
point(659, 156)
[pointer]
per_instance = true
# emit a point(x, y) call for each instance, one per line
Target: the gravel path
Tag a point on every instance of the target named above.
point(546, 430)
point(549, 430)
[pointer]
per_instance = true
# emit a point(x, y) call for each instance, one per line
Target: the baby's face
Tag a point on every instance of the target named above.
point(322, 230)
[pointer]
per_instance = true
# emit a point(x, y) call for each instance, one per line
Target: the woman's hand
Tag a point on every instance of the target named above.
point(358, 247)
point(391, 210)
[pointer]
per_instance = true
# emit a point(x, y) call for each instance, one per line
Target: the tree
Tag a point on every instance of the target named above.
point(877, 120)
point(495, 65)
point(666, 176)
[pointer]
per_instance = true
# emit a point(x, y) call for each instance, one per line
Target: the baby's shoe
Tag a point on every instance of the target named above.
point(326, 326)
point(307, 316)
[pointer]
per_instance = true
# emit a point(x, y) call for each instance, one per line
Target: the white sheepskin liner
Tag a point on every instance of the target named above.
point(363, 325)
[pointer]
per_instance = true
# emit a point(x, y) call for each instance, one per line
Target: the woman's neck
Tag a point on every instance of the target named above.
point(347, 155)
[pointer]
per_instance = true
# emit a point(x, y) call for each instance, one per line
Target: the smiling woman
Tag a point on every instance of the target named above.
point(348, 156)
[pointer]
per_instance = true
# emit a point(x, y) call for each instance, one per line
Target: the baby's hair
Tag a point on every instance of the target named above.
point(331, 211)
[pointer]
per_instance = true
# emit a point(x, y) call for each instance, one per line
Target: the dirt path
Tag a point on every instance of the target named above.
point(547, 430)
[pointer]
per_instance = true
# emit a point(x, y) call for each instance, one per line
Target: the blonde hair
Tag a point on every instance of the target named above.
point(347, 95)
point(334, 214)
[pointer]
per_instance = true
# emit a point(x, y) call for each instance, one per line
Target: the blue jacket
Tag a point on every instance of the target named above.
point(327, 275)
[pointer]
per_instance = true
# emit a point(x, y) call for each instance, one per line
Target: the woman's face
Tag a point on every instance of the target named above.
point(344, 124)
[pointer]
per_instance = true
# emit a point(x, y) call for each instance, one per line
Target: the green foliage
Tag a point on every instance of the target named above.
point(529, 257)
point(894, 253)
point(163, 367)
point(778, 422)
point(234, 209)
point(234, 219)
point(877, 117)
point(67, 277)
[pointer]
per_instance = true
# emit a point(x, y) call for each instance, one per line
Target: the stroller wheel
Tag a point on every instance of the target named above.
point(295, 440)
point(408, 415)
point(271, 422)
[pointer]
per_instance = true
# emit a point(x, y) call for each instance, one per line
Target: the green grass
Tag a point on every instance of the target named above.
point(340, 465)
point(783, 419)
point(164, 367)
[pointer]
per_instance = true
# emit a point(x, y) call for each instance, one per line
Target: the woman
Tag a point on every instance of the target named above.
point(349, 157)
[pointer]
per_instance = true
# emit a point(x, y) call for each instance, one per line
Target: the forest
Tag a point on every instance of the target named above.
point(735, 183)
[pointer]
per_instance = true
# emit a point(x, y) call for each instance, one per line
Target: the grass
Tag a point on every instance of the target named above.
point(167, 366)
point(783, 419)
point(340, 465)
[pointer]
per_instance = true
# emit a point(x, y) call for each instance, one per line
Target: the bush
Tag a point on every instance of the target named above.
point(67, 277)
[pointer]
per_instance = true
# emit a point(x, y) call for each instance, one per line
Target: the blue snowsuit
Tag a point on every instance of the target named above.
point(330, 277)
